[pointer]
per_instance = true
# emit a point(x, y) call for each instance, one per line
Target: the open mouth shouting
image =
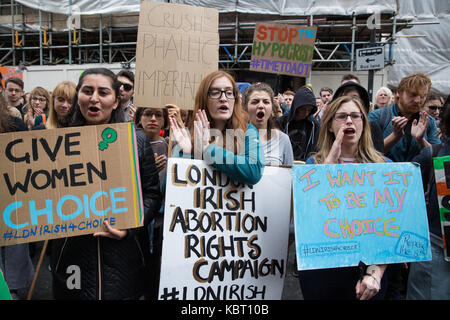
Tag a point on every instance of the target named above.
point(349, 132)
point(93, 111)
point(260, 116)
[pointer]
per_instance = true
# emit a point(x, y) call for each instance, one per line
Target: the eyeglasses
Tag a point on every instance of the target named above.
point(434, 108)
point(217, 94)
point(35, 99)
point(342, 116)
point(126, 86)
point(151, 114)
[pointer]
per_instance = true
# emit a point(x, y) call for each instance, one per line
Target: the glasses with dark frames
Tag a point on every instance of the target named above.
point(342, 116)
point(217, 94)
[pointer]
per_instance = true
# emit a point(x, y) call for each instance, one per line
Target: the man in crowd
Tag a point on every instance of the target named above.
point(126, 78)
point(326, 94)
point(407, 130)
point(14, 92)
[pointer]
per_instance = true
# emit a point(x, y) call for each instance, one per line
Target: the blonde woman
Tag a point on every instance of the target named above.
point(345, 138)
point(61, 105)
point(383, 98)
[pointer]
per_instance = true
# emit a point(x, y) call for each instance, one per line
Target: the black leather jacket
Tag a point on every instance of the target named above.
point(111, 269)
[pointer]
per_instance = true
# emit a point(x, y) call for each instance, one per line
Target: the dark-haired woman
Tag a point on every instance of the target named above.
point(114, 263)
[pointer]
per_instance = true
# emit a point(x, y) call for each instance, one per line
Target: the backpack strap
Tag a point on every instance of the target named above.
point(385, 117)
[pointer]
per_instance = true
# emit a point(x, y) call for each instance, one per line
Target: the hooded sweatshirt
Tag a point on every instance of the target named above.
point(302, 133)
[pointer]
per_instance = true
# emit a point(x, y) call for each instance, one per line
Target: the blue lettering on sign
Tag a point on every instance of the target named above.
point(85, 204)
point(412, 245)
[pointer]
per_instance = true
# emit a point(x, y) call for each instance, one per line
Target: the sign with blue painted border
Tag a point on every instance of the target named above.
point(347, 213)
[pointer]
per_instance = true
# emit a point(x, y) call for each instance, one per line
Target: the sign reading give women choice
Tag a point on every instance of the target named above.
point(224, 240)
point(67, 182)
point(344, 214)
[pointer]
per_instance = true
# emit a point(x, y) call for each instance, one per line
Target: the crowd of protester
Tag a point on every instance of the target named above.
point(335, 125)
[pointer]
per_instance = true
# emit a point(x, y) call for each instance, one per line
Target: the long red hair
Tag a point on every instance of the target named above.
point(239, 118)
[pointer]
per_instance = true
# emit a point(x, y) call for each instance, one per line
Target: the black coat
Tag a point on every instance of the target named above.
point(111, 269)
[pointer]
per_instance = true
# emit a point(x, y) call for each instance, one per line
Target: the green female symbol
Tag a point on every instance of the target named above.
point(109, 135)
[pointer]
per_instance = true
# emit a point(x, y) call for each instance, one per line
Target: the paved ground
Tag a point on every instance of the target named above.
point(43, 288)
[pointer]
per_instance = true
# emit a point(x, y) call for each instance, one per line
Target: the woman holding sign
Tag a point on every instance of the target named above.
point(113, 264)
point(345, 137)
point(259, 102)
point(237, 152)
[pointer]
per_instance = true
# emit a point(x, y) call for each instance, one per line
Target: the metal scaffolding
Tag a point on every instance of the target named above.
point(42, 43)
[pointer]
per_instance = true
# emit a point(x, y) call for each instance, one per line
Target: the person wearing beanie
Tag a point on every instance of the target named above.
point(300, 125)
point(354, 89)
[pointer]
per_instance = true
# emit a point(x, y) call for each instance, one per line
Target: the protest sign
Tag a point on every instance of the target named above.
point(8, 72)
point(224, 240)
point(283, 49)
point(66, 182)
point(344, 214)
point(176, 46)
point(442, 174)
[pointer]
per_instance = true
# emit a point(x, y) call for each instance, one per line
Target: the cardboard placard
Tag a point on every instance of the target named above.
point(176, 46)
point(66, 182)
point(224, 240)
point(442, 175)
point(374, 213)
point(283, 49)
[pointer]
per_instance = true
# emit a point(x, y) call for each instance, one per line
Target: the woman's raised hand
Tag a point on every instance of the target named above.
point(335, 152)
point(202, 135)
point(181, 136)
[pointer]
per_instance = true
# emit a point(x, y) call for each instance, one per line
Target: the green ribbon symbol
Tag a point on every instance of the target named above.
point(109, 135)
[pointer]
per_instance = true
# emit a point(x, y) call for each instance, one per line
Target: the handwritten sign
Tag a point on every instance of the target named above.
point(66, 182)
point(442, 174)
point(344, 214)
point(224, 240)
point(8, 72)
point(176, 46)
point(283, 49)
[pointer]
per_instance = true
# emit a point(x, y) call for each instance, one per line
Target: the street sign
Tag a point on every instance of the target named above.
point(370, 58)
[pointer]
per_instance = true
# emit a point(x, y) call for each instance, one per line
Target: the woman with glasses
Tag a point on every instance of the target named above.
point(345, 138)
point(39, 103)
point(220, 133)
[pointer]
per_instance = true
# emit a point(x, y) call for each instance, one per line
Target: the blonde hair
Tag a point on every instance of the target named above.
point(65, 89)
point(388, 92)
point(366, 152)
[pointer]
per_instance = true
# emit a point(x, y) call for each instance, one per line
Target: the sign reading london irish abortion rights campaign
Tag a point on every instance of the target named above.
point(66, 182)
point(283, 49)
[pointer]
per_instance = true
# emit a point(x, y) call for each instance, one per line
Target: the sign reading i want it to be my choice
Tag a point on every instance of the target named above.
point(374, 213)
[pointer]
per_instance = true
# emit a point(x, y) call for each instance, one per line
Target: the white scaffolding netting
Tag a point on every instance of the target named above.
point(420, 48)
